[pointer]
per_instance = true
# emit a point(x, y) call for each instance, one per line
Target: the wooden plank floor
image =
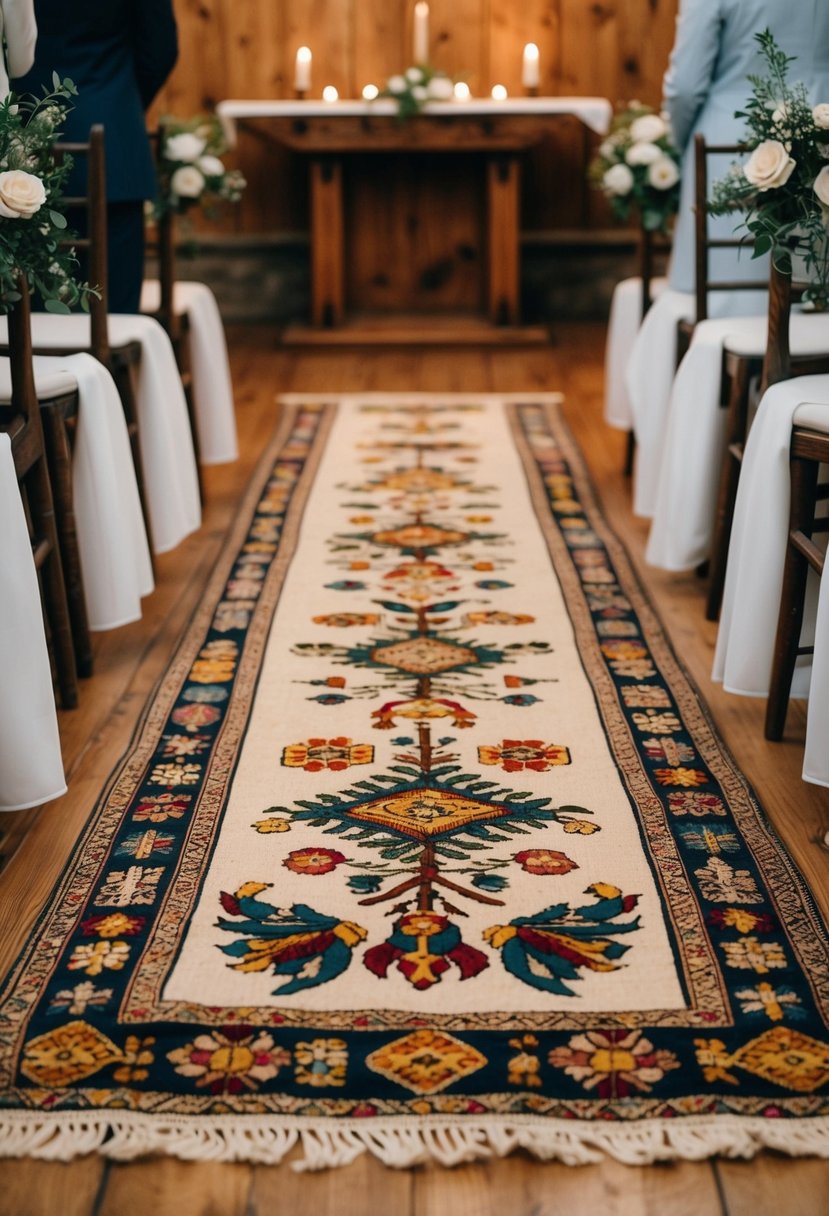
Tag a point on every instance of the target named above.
point(35, 844)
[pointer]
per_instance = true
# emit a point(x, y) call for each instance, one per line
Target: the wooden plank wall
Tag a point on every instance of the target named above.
point(246, 48)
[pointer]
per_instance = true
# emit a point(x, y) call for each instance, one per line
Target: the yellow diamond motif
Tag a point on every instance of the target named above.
point(425, 813)
point(419, 536)
point(788, 1058)
point(423, 656)
point(426, 1061)
point(418, 481)
point(67, 1054)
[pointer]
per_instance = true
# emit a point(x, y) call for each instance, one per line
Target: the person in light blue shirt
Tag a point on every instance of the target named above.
point(714, 52)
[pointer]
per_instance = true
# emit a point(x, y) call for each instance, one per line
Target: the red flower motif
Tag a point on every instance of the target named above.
point(313, 861)
point(544, 861)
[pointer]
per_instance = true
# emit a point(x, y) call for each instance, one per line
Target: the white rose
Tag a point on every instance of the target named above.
point(210, 166)
point(618, 180)
point(187, 182)
point(663, 173)
point(821, 116)
point(643, 154)
point(607, 148)
point(769, 165)
point(21, 194)
point(821, 186)
point(397, 84)
point(414, 75)
point(419, 92)
point(647, 129)
point(440, 88)
point(185, 146)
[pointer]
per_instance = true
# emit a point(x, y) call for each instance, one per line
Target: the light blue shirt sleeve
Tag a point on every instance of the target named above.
point(691, 65)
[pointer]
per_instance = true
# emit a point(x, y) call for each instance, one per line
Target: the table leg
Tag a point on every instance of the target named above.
point(327, 253)
point(503, 214)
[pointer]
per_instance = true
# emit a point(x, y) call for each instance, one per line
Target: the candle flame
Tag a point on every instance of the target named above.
point(499, 92)
point(329, 93)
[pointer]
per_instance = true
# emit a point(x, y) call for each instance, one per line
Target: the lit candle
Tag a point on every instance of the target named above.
point(329, 93)
point(499, 92)
point(302, 70)
point(370, 91)
point(421, 32)
point(461, 91)
point(529, 72)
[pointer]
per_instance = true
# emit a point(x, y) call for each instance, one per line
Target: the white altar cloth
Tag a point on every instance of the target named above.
point(212, 387)
point(754, 575)
point(694, 444)
point(594, 112)
point(167, 460)
point(112, 539)
point(31, 769)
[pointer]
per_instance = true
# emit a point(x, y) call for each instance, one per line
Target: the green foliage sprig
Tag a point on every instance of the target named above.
point(782, 188)
point(32, 224)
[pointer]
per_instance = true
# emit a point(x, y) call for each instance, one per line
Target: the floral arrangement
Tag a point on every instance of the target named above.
point(415, 87)
point(33, 228)
point(190, 169)
point(637, 167)
point(783, 186)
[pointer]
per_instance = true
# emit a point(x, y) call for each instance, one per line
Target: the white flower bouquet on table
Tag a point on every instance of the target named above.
point(412, 89)
point(190, 169)
point(782, 188)
point(32, 224)
point(637, 167)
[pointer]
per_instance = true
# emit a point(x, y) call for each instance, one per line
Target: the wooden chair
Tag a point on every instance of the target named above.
point(161, 247)
point(652, 246)
point(809, 449)
point(121, 360)
point(21, 419)
point(777, 364)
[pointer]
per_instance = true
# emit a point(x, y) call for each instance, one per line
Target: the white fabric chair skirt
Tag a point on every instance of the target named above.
point(167, 460)
point(112, 539)
point(622, 327)
point(694, 442)
point(31, 769)
point(754, 575)
point(209, 365)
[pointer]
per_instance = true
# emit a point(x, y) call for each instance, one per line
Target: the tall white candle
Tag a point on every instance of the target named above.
point(530, 76)
point(302, 70)
point(421, 32)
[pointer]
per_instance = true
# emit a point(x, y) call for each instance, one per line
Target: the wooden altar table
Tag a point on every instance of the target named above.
point(369, 138)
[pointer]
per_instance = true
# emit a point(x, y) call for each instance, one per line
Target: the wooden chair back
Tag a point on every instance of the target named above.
point(93, 202)
point(704, 243)
point(162, 246)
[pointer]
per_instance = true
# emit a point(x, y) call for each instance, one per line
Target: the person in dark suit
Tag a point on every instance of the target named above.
point(118, 53)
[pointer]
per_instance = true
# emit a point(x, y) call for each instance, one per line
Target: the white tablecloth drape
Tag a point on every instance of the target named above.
point(754, 576)
point(31, 769)
point(622, 327)
point(112, 539)
point(209, 365)
point(694, 443)
point(167, 460)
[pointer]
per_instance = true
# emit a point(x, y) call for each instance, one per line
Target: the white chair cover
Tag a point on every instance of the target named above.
point(112, 539)
point(622, 328)
point(648, 377)
point(167, 460)
point(754, 575)
point(31, 768)
point(212, 387)
point(689, 471)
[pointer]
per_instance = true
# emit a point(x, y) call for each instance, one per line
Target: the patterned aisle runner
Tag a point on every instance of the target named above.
point(424, 845)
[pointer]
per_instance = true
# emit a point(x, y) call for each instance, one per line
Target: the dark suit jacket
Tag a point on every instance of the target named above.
point(118, 53)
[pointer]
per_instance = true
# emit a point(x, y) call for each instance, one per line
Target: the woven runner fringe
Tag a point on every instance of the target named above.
point(262, 1143)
